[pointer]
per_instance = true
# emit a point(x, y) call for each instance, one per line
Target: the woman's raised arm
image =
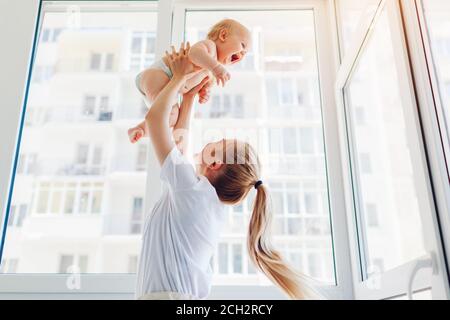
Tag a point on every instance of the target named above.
point(157, 118)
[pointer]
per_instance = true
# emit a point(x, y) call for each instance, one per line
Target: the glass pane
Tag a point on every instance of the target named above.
point(437, 15)
point(84, 179)
point(351, 13)
point(70, 201)
point(237, 258)
point(388, 200)
point(277, 80)
point(223, 258)
point(65, 263)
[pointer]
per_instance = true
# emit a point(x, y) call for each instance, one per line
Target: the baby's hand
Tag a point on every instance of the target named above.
point(221, 74)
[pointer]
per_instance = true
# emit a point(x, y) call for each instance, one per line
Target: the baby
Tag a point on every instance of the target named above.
point(227, 44)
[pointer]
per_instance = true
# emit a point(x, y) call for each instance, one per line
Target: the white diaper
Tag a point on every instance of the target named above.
point(157, 65)
point(160, 65)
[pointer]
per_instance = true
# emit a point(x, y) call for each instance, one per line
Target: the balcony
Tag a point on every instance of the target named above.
point(304, 165)
point(67, 168)
point(75, 115)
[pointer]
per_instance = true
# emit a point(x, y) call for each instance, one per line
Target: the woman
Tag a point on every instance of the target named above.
point(181, 234)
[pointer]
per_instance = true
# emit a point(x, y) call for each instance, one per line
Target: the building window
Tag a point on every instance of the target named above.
point(307, 140)
point(88, 160)
point(97, 108)
point(27, 164)
point(224, 106)
point(285, 92)
point(70, 263)
point(137, 215)
point(237, 258)
point(132, 264)
point(141, 161)
point(314, 264)
point(102, 62)
point(68, 198)
point(96, 60)
point(9, 265)
point(142, 53)
point(70, 147)
point(223, 258)
point(51, 35)
point(42, 74)
point(17, 215)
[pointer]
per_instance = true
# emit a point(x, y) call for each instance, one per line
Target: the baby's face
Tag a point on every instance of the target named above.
point(235, 47)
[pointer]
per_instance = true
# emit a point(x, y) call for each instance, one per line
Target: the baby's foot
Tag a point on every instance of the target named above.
point(135, 134)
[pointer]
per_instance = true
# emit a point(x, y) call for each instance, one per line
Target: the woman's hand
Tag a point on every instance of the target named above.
point(179, 62)
point(194, 91)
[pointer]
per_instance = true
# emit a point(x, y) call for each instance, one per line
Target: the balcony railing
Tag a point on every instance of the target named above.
point(75, 114)
point(67, 168)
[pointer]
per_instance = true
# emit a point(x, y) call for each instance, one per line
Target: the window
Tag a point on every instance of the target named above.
point(223, 258)
point(102, 62)
point(51, 35)
point(132, 264)
point(88, 160)
point(17, 215)
point(27, 164)
point(74, 197)
point(437, 15)
point(9, 266)
point(392, 188)
point(78, 173)
point(96, 60)
point(237, 258)
point(96, 108)
point(43, 73)
point(142, 52)
point(136, 215)
point(351, 13)
point(73, 263)
point(286, 105)
point(141, 161)
point(223, 106)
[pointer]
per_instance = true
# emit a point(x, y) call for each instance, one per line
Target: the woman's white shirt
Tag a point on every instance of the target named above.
point(180, 236)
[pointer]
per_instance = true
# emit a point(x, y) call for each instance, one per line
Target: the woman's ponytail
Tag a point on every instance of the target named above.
point(268, 260)
point(232, 185)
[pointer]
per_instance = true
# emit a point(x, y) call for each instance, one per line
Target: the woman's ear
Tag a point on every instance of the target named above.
point(223, 34)
point(215, 166)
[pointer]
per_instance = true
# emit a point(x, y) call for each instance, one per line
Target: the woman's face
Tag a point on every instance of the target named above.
point(210, 159)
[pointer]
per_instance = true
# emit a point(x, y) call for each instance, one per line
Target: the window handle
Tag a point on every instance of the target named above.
point(425, 262)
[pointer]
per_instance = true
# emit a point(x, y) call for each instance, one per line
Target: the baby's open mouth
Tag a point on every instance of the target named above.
point(234, 57)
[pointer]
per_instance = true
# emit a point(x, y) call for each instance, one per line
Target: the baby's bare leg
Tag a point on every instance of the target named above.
point(136, 133)
point(152, 82)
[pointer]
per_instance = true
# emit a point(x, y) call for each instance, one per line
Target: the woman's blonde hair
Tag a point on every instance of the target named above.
point(241, 173)
point(225, 24)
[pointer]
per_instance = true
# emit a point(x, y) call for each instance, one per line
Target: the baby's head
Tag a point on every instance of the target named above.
point(232, 39)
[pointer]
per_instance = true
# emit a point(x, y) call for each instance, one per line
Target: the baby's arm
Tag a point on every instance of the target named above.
point(201, 54)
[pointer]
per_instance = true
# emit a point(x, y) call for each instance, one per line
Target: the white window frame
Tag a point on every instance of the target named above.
point(328, 61)
point(392, 283)
point(23, 41)
point(431, 110)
